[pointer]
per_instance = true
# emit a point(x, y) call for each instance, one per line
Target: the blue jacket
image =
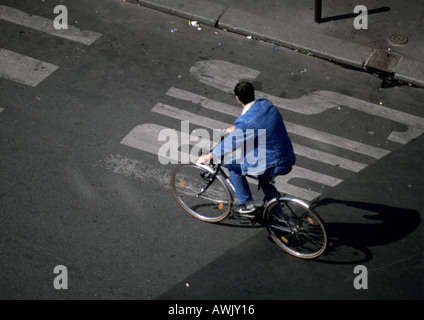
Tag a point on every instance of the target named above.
point(261, 139)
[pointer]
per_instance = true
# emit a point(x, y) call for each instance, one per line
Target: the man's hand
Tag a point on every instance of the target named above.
point(204, 159)
point(230, 129)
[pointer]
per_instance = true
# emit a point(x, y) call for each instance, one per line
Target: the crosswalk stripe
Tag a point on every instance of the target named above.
point(225, 75)
point(222, 75)
point(336, 141)
point(23, 69)
point(183, 115)
point(42, 24)
point(206, 103)
point(293, 128)
point(145, 137)
point(194, 118)
point(328, 158)
point(234, 111)
point(216, 73)
point(415, 124)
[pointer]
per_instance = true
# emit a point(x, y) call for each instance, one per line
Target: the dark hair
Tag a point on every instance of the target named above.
point(245, 92)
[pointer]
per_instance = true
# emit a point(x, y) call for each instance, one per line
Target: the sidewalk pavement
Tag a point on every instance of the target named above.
point(380, 49)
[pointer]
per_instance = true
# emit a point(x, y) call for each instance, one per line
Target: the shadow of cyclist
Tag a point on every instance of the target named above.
point(380, 224)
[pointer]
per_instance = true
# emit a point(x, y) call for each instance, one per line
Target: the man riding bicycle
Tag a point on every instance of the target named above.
point(261, 133)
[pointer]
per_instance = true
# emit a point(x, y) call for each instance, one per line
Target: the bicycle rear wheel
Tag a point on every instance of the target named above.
point(304, 236)
point(187, 183)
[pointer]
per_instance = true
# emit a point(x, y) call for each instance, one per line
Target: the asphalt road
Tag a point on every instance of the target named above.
point(80, 189)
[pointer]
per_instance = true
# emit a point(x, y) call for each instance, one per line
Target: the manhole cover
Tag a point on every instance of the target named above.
point(398, 39)
point(382, 60)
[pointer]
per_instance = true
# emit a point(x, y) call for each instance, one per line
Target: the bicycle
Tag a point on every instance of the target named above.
point(207, 193)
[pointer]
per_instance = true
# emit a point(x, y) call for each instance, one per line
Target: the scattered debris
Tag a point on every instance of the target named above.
point(303, 71)
point(194, 24)
point(249, 37)
point(174, 30)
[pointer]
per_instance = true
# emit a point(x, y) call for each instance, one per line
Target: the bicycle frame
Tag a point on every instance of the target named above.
point(215, 171)
point(229, 185)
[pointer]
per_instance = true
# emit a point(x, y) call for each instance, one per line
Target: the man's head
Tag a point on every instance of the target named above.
point(245, 92)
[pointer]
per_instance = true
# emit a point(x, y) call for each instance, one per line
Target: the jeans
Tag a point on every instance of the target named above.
point(241, 184)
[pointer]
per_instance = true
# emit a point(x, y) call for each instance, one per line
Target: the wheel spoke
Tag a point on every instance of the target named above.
point(305, 237)
point(192, 189)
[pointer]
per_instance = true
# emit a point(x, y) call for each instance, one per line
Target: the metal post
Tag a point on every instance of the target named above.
point(318, 10)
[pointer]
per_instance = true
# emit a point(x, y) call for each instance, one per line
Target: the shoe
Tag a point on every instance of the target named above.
point(245, 211)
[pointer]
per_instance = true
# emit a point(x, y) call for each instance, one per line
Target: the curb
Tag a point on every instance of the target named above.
point(203, 11)
point(277, 32)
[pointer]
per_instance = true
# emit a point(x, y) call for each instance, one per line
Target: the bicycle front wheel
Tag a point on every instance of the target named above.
point(296, 228)
point(188, 184)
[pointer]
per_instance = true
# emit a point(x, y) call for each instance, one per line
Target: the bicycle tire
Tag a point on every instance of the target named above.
point(306, 238)
point(213, 205)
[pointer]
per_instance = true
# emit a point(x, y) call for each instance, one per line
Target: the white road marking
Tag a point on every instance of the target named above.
point(23, 69)
point(415, 124)
point(222, 74)
point(189, 116)
point(225, 75)
point(27, 70)
point(328, 158)
point(204, 102)
point(145, 137)
point(291, 127)
point(42, 24)
point(336, 141)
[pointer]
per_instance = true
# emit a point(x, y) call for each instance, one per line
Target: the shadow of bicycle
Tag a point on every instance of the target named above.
point(349, 241)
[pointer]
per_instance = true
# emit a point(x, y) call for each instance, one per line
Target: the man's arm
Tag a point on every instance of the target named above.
point(209, 157)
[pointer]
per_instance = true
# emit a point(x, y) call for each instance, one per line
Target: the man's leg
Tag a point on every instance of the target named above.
point(267, 188)
point(266, 178)
point(241, 184)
